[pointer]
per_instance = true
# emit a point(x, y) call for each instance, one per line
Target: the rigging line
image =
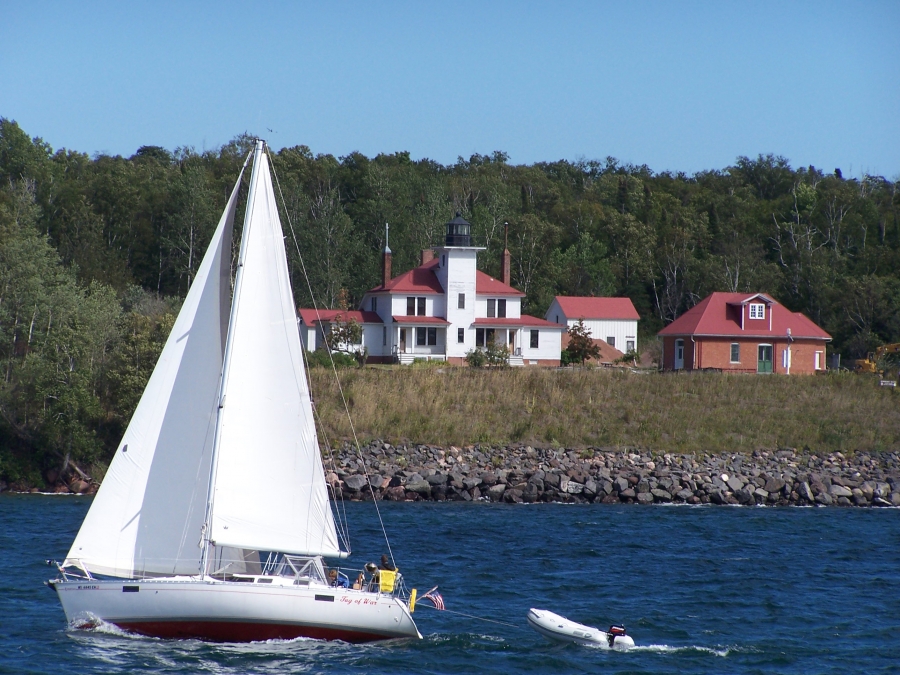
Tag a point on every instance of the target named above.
point(333, 366)
point(468, 616)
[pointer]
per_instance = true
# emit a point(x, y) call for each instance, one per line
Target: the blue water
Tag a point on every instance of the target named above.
point(701, 590)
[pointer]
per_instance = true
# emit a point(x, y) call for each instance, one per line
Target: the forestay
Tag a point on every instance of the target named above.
point(269, 491)
point(146, 518)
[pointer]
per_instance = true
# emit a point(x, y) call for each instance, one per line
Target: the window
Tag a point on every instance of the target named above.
point(384, 335)
point(491, 308)
point(819, 360)
point(534, 338)
point(757, 311)
point(443, 261)
point(461, 303)
point(410, 306)
point(460, 335)
point(501, 308)
point(426, 336)
point(630, 346)
point(479, 337)
point(735, 352)
point(374, 304)
point(420, 308)
point(611, 341)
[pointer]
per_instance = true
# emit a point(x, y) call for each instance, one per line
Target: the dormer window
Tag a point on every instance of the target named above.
point(374, 303)
point(757, 311)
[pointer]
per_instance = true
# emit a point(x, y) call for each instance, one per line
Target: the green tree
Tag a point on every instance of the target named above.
point(581, 345)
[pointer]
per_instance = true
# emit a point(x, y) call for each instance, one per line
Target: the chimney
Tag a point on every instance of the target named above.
point(386, 258)
point(427, 255)
point(506, 260)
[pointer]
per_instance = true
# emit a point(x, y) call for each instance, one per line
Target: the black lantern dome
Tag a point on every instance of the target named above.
point(458, 232)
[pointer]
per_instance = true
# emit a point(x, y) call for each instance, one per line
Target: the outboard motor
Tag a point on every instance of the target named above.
point(614, 632)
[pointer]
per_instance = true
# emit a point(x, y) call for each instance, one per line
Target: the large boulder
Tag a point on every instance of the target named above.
point(734, 483)
point(774, 485)
point(395, 494)
point(574, 488)
point(805, 491)
point(495, 492)
point(78, 486)
point(355, 483)
point(660, 495)
point(420, 487)
point(744, 496)
point(645, 498)
point(824, 499)
point(839, 491)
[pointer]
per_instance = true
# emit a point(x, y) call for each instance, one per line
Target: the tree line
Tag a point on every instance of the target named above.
point(96, 254)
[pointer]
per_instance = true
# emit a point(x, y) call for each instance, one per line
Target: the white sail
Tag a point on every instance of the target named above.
point(269, 491)
point(146, 518)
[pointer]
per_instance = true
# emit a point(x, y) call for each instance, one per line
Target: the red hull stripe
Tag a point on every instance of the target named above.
point(240, 631)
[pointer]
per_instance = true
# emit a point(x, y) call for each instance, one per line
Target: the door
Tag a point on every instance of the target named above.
point(679, 354)
point(402, 341)
point(764, 359)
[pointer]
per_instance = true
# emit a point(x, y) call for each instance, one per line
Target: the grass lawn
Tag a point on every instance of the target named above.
point(699, 412)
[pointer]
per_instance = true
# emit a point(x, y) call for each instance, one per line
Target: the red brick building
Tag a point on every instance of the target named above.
point(741, 333)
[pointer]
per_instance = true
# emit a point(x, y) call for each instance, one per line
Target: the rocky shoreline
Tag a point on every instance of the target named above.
point(523, 474)
point(519, 474)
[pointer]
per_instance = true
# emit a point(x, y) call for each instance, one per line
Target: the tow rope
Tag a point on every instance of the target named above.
point(471, 616)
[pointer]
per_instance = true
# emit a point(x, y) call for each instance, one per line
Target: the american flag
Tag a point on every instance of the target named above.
point(436, 598)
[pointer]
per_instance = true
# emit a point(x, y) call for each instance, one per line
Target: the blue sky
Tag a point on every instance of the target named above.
point(680, 86)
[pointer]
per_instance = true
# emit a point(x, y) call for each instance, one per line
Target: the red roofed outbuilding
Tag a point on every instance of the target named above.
point(612, 322)
point(744, 333)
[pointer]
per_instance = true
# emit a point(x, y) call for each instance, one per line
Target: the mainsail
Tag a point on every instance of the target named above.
point(147, 516)
point(269, 491)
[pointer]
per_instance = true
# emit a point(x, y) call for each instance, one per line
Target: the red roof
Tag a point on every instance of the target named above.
point(597, 308)
point(711, 317)
point(421, 320)
point(421, 279)
point(487, 285)
point(311, 316)
point(525, 320)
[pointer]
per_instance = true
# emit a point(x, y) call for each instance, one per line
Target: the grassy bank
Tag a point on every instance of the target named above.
point(575, 408)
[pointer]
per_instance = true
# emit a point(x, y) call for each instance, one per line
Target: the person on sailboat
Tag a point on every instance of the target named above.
point(338, 579)
point(386, 564)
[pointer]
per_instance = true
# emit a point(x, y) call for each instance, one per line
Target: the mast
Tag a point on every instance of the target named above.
point(235, 302)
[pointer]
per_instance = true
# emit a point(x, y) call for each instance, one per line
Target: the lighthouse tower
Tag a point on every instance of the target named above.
point(456, 272)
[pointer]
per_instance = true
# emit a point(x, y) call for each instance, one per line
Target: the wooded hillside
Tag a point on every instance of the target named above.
point(96, 253)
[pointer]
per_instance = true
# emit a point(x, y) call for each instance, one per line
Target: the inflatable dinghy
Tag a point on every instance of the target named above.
point(560, 629)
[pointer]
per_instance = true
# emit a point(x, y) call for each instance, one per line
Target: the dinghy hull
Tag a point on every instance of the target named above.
point(560, 629)
point(235, 612)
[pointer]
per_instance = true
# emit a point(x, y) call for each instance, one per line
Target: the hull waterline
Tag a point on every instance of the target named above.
point(235, 612)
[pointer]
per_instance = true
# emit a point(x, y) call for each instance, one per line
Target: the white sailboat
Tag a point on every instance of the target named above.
point(213, 520)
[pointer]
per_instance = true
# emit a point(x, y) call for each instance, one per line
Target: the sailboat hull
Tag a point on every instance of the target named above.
point(235, 612)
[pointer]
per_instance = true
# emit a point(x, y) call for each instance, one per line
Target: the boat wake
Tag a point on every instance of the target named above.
point(668, 649)
point(89, 623)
